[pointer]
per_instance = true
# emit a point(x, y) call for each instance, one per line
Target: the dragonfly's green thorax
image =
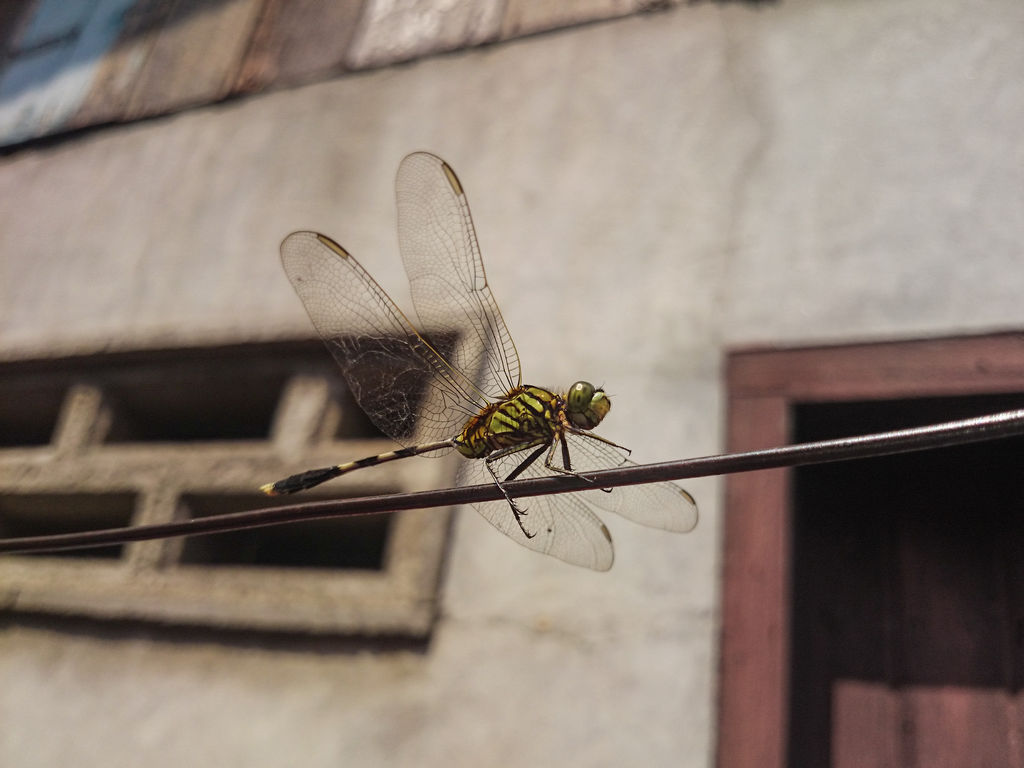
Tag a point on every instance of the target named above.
point(531, 416)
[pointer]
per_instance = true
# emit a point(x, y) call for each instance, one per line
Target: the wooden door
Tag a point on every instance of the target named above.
point(874, 610)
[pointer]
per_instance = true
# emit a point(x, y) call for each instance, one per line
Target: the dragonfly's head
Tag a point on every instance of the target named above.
point(586, 405)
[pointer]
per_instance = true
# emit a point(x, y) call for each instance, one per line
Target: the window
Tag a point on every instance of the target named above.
point(112, 440)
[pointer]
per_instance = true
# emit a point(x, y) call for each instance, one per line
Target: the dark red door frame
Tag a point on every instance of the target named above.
point(763, 385)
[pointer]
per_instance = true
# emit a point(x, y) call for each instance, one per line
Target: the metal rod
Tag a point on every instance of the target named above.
point(960, 432)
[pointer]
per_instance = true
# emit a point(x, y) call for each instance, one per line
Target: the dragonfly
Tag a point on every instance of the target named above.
point(454, 381)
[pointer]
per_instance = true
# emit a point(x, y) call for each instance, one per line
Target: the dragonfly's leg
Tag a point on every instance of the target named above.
point(592, 436)
point(600, 439)
point(568, 464)
point(549, 461)
point(516, 510)
point(566, 468)
point(524, 464)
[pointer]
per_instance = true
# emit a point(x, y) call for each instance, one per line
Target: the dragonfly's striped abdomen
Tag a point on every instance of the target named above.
point(527, 415)
point(313, 477)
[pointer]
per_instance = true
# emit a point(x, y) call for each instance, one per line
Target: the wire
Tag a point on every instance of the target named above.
point(978, 429)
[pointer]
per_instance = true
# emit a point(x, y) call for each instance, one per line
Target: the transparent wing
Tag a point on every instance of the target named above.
point(563, 525)
point(657, 505)
point(446, 274)
point(405, 385)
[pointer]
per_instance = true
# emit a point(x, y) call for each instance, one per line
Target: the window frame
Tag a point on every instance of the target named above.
point(146, 582)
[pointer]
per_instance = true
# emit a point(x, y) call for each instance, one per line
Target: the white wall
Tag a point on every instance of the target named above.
point(647, 192)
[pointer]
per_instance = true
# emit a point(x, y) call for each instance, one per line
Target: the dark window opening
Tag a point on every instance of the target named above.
point(174, 396)
point(229, 401)
point(45, 514)
point(339, 543)
point(29, 407)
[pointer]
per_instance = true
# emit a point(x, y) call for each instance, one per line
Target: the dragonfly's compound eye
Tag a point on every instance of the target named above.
point(600, 404)
point(579, 397)
point(586, 405)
